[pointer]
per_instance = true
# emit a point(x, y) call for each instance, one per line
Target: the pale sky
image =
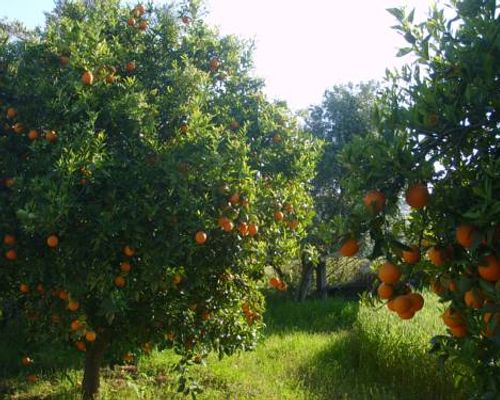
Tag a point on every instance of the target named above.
point(302, 47)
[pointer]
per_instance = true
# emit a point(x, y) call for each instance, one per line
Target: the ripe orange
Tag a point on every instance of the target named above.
point(87, 78)
point(130, 67)
point(274, 282)
point(90, 336)
point(243, 229)
point(131, 21)
point(63, 295)
point(228, 226)
point(288, 207)
point(390, 305)
point(11, 112)
point(234, 198)
point(9, 240)
point(389, 273)
point(75, 325)
point(349, 248)
point(473, 299)
point(459, 331)
point(9, 182)
point(110, 78)
point(407, 314)
point(253, 229)
point(63, 60)
point(452, 318)
point(128, 357)
point(80, 346)
point(125, 266)
point(129, 251)
point(73, 306)
point(176, 279)
point(417, 196)
point(140, 10)
point(184, 128)
point(200, 237)
point(276, 138)
point(437, 256)
point(185, 19)
point(411, 256)
point(402, 304)
point(214, 64)
point(143, 25)
point(489, 268)
point(53, 241)
point(51, 136)
point(465, 235)
point(374, 201)
point(278, 215)
point(24, 288)
point(26, 361)
point(385, 291)
point(293, 224)
point(282, 287)
point(33, 134)
point(205, 316)
point(417, 301)
point(119, 281)
point(452, 286)
point(18, 128)
point(32, 378)
point(11, 255)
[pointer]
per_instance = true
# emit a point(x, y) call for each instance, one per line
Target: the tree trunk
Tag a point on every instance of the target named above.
point(321, 279)
point(305, 281)
point(93, 360)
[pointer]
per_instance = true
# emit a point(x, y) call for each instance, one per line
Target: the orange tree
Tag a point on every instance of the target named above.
point(426, 186)
point(141, 169)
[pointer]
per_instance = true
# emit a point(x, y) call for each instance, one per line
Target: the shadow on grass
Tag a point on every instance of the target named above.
point(358, 366)
point(313, 316)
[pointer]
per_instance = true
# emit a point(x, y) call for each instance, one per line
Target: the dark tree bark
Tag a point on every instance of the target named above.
point(321, 284)
point(93, 359)
point(305, 281)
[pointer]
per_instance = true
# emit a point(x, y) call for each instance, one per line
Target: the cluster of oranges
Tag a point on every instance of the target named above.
point(227, 225)
point(136, 19)
point(279, 215)
point(13, 124)
point(125, 266)
point(250, 316)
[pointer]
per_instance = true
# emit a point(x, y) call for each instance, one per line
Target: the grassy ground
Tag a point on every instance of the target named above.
point(316, 351)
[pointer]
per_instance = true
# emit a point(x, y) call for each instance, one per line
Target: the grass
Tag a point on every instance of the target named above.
point(318, 350)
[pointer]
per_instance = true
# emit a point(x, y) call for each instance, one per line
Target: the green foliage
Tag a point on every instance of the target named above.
point(146, 125)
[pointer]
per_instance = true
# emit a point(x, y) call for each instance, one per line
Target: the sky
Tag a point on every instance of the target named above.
point(302, 47)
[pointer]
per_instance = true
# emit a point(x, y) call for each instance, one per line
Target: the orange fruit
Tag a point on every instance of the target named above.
point(222, 220)
point(411, 256)
point(18, 128)
point(459, 331)
point(11, 255)
point(389, 273)
point(452, 286)
point(417, 301)
point(436, 287)
point(293, 224)
point(288, 207)
point(253, 229)
point(234, 125)
point(489, 269)
point(417, 196)
point(32, 378)
point(282, 287)
point(390, 305)
point(26, 361)
point(87, 78)
point(63, 295)
point(110, 78)
point(452, 318)
point(9, 240)
point(437, 256)
point(274, 282)
point(125, 266)
point(185, 19)
point(130, 67)
point(407, 315)
point(51, 136)
point(90, 336)
point(40, 289)
point(402, 304)
point(24, 288)
point(214, 64)
point(243, 229)
point(129, 251)
point(11, 112)
point(33, 134)
point(143, 25)
point(131, 21)
point(63, 60)
point(234, 198)
point(184, 128)
point(228, 226)
point(473, 299)
point(278, 216)
point(128, 357)
point(53, 241)
point(276, 138)
point(385, 291)
point(200, 237)
point(80, 346)
point(349, 248)
point(205, 316)
point(73, 306)
point(374, 201)
point(465, 235)
point(176, 279)
point(140, 10)
point(9, 182)
point(75, 325)
point(119, 281)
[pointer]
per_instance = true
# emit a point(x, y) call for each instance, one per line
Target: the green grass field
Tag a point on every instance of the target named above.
point(318, 350)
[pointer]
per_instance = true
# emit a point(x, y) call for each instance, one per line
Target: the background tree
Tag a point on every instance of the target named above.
point(436, 147)
point(141, 171)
